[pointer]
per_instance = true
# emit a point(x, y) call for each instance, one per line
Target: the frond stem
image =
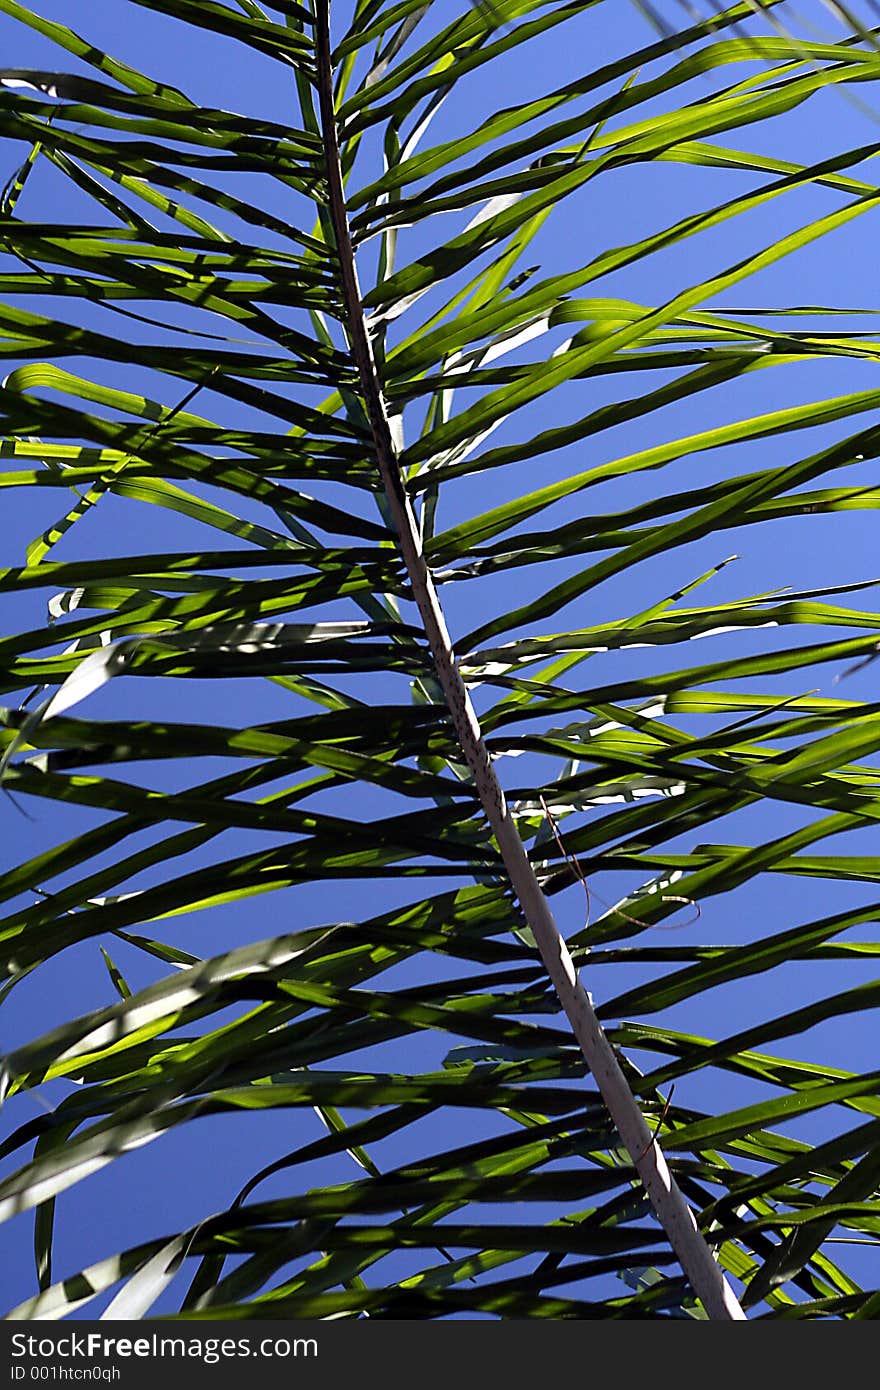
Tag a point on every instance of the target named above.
point(706, 1277)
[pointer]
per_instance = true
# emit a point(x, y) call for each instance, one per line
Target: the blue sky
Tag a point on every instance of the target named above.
point(199, 1169)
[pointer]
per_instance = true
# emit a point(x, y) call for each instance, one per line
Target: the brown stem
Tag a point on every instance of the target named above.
point(676, 1217)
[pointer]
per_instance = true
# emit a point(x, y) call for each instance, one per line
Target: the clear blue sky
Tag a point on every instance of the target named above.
point(199, 1169)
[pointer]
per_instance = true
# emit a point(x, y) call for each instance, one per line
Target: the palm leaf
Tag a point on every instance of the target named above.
point(255, 446)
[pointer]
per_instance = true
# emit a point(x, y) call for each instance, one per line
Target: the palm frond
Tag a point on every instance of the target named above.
point(289, 399)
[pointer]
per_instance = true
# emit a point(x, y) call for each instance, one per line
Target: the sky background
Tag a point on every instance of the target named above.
point(199, 1169)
